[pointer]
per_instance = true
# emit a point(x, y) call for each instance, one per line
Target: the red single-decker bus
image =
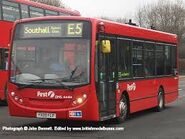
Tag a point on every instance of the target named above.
point(89, 69)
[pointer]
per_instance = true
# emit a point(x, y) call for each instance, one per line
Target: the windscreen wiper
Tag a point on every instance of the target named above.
point(22, 86)
point(73, 72)
point(65, 86)
point(58, 80)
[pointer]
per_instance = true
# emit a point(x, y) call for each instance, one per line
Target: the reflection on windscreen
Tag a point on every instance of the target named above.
point(66, 60)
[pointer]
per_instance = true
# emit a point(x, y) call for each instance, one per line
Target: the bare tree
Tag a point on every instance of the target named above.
point(56, 3)
point(164, 15)
point(106, 18)
point(119, 20)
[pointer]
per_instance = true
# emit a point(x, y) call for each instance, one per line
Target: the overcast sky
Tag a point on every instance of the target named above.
point(108, 8)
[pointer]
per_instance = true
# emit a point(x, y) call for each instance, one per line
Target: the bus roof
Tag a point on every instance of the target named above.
point(136, 32)
point(119, 29)
point(45, 6)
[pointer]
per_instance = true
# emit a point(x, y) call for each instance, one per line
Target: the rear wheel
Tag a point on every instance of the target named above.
point(123, 107)
point(161, 102)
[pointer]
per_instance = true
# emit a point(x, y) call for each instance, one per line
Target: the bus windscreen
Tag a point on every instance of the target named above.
point(51, 51)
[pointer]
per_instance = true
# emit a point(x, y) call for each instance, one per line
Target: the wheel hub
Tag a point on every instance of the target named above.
point(123, 108)
point(160, 101)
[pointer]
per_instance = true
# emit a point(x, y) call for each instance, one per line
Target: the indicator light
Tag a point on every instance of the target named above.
point(16, 98)
point(20, 100)
point(12, 94)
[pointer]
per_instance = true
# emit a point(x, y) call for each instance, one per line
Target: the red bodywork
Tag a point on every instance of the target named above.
point(5, 30)
point(144, 97)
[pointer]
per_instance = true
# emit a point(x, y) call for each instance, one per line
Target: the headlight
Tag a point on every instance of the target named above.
point(80, 100)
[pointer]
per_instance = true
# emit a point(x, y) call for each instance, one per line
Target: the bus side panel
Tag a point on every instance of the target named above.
point(171, 97)
point(5, 31)
point(146, 91)
point(142, 94)
point(142, 104)
point(170, 86)
point(4, 78)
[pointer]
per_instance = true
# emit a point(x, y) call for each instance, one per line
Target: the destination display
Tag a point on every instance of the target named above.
point(51, 30)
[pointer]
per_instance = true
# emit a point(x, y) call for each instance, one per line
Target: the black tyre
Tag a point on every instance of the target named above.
point(123, 106)
point(161, 103)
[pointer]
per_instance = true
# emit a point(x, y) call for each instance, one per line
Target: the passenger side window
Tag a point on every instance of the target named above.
point(10, 11)
point(160, 59)
point(168, 66)
point(137, 57)
point(36, 12)
point(50, 13)
point(174, 57)
point(124, 59)
point(63, 14)
point(24, 11)
point(149, 56)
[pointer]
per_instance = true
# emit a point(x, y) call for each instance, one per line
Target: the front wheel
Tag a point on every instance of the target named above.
point(123, 107)
point(161, 103)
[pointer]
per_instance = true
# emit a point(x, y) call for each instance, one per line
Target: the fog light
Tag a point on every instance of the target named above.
point(16, 98)
point(20, 100)
point(74, 102)
point(12, 94)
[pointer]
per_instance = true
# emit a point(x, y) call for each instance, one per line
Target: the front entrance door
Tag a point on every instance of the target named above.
point(107, 81)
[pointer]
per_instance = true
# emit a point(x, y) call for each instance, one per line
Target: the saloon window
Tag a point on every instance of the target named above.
point(24, 11)
point(160, 59)
point(149, 59)
point(10, 11)
point(36, 12)
point(168, 66)
point(174, 57)
point(124, 56)
point(137, 57)
point(50, 13)
point(63, 14)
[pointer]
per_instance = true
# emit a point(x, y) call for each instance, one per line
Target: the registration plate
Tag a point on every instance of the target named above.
point(46, 115)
